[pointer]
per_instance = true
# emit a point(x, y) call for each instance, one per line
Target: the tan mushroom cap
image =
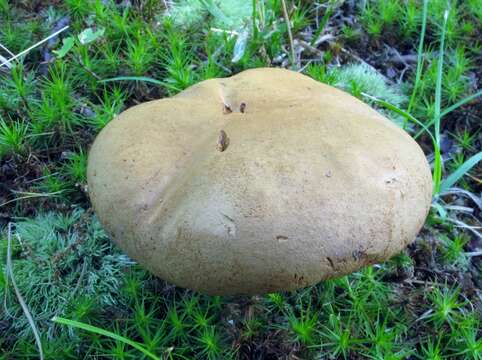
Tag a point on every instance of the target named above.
point(306, 183)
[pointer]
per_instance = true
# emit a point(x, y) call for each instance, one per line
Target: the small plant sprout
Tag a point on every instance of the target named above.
point(431, 350)
point(209, 343)
point(276, 301)
point(76, 167)
point(466, 140)
point(453, 251)
point(304, 324)
point(13, 137)
point(177, 321)
point(336, 337)
point(446, 307)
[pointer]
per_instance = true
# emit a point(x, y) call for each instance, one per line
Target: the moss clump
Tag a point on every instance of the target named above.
point(227, 14)
point(56, 259)
point(361, 78)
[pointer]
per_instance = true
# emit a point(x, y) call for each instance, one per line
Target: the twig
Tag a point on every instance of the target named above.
point(3, 59)
point(473, 254)
point(310, 48)
point(229, 32)
point(305, 66)
point(40, 178)
point(421, 282)
point(97, 77)
point(322, 39)
point(19, 296)
point(6, 62)
point(31, 196)
point(290, 35)
point(5, 48)
point(34, 46)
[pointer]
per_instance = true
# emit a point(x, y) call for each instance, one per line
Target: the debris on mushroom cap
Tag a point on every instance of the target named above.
point(314, 184)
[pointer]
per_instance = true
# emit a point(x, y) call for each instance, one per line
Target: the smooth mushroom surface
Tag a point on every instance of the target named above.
point(264, 181)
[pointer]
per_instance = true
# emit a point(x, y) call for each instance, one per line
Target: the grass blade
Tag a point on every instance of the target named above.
point(133, 78)
point(290, 35)
point(461, 171)
point(254, 17)
point(452, 108)
point(8, 61)
point(460, 103)
point(96, 330)
point(401, 112)
point(20, 299)
point(438, 83)
point(418, 74)
point(29, 195)
point(437, 171)
point(324, 20)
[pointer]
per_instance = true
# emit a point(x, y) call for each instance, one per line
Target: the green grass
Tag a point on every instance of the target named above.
point(459, 68)
point(103, 332)
point(422, 304)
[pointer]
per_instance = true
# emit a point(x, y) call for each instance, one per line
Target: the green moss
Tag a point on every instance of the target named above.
point(357, 78)
point(229, 15)
point(59, 258)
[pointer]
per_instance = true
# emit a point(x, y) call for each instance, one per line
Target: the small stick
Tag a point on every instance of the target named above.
point(310, 48)
point(30, 196)
point(472, 254)
point(229, 32)
point(97, 77)
point(7, 63)
point(290, 35)
point(3, 59)
point(305, 66)
point(34, 46)
point(5, 48)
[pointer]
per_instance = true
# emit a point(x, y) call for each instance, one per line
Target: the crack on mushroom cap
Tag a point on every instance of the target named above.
point(230, 225)
point(330, 261)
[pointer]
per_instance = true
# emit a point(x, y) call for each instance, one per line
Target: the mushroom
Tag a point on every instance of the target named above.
point(264, 181)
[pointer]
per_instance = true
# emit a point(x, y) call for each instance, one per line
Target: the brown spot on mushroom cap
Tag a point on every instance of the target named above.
point(342, 185)
point(223, 141)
